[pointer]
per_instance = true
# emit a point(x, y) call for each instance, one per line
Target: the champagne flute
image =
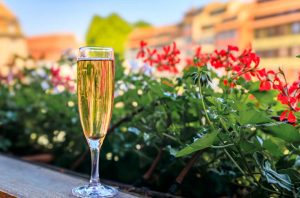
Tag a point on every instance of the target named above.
point(95, 92)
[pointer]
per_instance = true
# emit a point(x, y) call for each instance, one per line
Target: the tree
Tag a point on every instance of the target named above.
point(110, 31)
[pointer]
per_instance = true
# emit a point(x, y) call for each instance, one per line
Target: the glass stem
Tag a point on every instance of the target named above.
point(95, 152)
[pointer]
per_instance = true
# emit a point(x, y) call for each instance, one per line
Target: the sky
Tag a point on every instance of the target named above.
point(73, 16)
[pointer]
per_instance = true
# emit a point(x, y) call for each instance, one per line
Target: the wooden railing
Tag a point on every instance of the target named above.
point(21, 179)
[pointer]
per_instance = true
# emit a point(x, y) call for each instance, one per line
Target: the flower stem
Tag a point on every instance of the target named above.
point(203, 103)
point(211, 124)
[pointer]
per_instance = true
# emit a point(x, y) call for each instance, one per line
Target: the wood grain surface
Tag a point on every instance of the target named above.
point(25, 180)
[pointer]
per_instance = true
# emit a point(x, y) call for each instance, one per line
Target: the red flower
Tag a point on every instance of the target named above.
point(233, 48)
point(232, 57)
point(283, 115)
point(237, 65)
point(198, 52)
point(265, 86)
point(141, 52)
point(143, 44)
point(288, 95)
point(200, 59)
point(262, 72)
point(54, 72)
point(165, 60)
point(225, 81)
point(247, 76)
point(289, 115)
point(189, 62)
point(232, 85)
point(216, 63)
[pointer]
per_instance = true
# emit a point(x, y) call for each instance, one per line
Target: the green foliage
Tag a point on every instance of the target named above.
point(252, 116)
point(186, 116)
point(272, 177)
point(111, 31)
point(284, 131)
point(141, 24)
point(235, 133)
point(202, 143)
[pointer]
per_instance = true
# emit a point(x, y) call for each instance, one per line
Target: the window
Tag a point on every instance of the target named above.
point(257, 33)
point(229, 19)
point(290, 51)
point(277, 14)
point(295, 51)
point(187, 27)
point(188, 39)
point(272, 31)
point(206, 27)
point(281, 52)
point(268, 53)
point(286, 29)
point(12, 28)
point(207, 40)
point(263, 1)
point(217, 11)
point(296, 28)
point(226, 34)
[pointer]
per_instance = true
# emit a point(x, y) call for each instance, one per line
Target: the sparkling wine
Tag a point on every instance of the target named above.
point(95, 91)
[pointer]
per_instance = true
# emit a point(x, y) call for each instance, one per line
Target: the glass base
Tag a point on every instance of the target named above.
point(94, 191)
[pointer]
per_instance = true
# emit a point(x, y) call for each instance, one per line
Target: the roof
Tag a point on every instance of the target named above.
point(9, 25)
point(5, 12)
point(51, 46)
point(193, 11)
point(153, 36)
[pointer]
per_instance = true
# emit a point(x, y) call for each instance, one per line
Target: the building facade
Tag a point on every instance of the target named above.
point(276, 34)
point(235, 27)
point(185, 41)
point(52, 46)
point(204, 25)
point(270, 27)
point(12, 41)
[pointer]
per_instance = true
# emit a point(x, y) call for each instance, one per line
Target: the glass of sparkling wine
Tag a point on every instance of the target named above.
point(95, 92)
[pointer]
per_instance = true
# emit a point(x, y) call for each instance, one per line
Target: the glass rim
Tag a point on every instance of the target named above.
point(95, 53)
point(96, 48)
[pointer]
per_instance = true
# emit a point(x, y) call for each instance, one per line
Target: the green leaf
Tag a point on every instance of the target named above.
point(284, 131)
point(273, 148)
point(254, 86)
point(251, 116)
point(262, 96)
point(155, 88)
point(294, 175)
point(265, 96)
point(202, 143)
point(167, 85)
point(282, 180)
point(249, 147)
point(298, 56)
point(272, 177)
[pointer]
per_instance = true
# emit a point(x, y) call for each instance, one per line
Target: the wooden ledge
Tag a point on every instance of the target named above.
point(22, 179)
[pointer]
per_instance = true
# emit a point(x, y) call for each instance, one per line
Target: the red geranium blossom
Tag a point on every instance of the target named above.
point(164, 60)
point(237, 65)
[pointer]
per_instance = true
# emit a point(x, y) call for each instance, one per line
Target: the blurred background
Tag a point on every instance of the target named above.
point(38, 109)
point(46, 30)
